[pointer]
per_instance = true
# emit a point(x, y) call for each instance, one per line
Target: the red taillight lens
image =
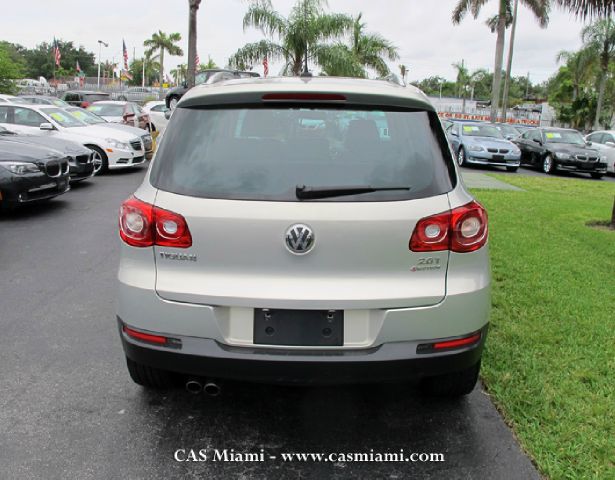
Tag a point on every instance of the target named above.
point(461, 230)
point(145, 337)
point(143, 225)
point(85, 104)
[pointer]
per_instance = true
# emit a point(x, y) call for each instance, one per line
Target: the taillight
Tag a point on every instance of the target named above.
point(85, 104)
point(143, 225)
point(461, 230)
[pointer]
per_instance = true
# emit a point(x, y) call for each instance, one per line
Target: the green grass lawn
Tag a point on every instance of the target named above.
point(550, 358)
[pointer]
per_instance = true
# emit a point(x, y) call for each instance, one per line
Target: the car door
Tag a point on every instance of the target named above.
point(535, 147)
point(453, 136)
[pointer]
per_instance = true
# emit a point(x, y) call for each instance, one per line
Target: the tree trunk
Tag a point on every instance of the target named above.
point(600, 99)
point(499, 58)
point(510, 60)
point(194, 7)
point(160, 91)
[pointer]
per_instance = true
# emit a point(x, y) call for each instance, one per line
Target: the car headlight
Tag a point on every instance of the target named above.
point(475, 148)
point(21, 168)
point(603, 159)
point(562, 155)
point(115, 144)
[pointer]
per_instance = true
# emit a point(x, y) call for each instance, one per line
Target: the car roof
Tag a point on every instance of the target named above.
point(357, 91)
point(87, 92)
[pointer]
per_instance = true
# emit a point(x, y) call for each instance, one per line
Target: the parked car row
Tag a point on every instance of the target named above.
point(44, 147)
point(548, 149)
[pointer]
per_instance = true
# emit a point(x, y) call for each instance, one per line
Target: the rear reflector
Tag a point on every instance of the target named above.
point(304, 97)
point(449, 344)
point(150, 338)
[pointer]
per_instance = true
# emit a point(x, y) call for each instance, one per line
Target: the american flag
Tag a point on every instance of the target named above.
point(125, 51)
point(78, 67)
point(56, 52)
point(266, 65)
point(197, 61)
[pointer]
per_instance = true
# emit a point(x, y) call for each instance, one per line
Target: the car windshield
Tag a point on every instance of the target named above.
point(63, 118)
point(266, 153)
point(481, 131)
point(508, 130)
point(85, 116)
point(107, 109)
point(564, 136)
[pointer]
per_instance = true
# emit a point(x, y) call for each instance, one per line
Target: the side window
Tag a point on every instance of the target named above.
point(158, 108)
point(608, 137)
point(27, 117)
point(71, 97)
point(535, 135)
point(597, 137)
point(4, 114)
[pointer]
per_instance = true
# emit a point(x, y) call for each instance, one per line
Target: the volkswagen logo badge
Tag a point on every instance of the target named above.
point(299, 239)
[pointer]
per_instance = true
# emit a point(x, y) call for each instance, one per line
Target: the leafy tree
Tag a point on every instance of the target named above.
point(600, 38)
point(295, 39)
point(152, 71)
point(580, 67)
point(163, 42)
point(40, 61)
point(210, 65)
point(538, 7)
point(9, 70)
point(366, 51)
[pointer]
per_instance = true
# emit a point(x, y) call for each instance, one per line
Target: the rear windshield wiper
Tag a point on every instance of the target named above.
point(305, 193)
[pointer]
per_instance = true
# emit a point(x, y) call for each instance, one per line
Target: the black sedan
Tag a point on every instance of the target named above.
point(30, 173)
point(80, 158)
point(553, 149)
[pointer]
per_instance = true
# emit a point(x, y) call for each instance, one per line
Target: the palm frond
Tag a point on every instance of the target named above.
point(254, 53)
point(265, 18)
point(540, 9)
point(589, 8)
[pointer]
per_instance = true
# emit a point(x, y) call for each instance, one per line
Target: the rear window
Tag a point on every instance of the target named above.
point(265, 153)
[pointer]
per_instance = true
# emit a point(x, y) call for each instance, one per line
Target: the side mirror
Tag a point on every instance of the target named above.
point(167, 113)
point(46, 126)
point(454, 133)
point(610, 144)
point(538, 141)
point(588, 143)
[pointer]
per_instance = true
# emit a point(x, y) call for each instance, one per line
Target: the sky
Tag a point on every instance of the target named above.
point(422, 30)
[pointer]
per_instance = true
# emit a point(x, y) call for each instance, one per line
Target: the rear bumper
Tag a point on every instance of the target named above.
point(389, 362)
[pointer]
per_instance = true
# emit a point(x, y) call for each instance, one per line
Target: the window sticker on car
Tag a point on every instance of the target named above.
point(470, 128)
point(553, 135)
point(57, 117)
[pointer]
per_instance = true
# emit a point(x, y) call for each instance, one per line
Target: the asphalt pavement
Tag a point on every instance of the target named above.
point(68, 408)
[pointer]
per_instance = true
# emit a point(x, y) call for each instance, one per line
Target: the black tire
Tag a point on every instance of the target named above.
point(104, 166)
point(597, 176)
point(173, 102)
point(461, 157)
point(548, 165)
point(149, 377)
point(512, 169)
point(454, 384)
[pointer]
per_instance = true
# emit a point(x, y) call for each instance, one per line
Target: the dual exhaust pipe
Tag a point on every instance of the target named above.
point(195, 386)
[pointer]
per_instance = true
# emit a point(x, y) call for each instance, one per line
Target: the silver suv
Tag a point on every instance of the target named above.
point(304, 231)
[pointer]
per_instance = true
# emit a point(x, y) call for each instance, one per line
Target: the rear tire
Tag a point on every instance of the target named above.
point(149, 377)
point(456, 384)
point(597, 176)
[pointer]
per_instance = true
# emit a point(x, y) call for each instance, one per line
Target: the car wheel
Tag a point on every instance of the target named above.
point(548, 166)
point(100, 160)
point(173, 103)
point(461, 157)
point(454, 384)
point(512, 169)
point(148, 376)
point(597, 176)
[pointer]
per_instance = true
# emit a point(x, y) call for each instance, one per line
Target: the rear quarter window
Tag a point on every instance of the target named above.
point(265, 153)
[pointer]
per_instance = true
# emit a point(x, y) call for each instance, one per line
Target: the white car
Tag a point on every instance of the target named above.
point(156, 111)
point(112, 148)
point(92, 119)
point(604, 142)
point(11, 99)
point(127, 113)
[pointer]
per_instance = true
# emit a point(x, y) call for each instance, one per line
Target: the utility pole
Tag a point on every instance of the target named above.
point(305, 23)
point(511, 47)
point(527, 86)
point(463, 86)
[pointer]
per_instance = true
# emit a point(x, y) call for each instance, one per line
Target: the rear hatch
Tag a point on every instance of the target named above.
point(234, 173)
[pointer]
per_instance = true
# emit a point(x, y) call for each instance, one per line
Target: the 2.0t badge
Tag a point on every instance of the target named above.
point(299, 239)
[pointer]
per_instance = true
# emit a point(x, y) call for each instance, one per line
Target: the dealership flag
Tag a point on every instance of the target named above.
point(56, 52)
point(197, 61)
point(126, 72)
point(266, 65)
point(78, 67)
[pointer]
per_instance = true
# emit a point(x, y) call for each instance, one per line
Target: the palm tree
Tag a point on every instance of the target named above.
point(163, 42)
point(300, 35)
point(192, 67)
point(366, 51)
point(538, 7)
point(600, 38)
point(589, 8)
point(462, 81)
point(579, 65)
